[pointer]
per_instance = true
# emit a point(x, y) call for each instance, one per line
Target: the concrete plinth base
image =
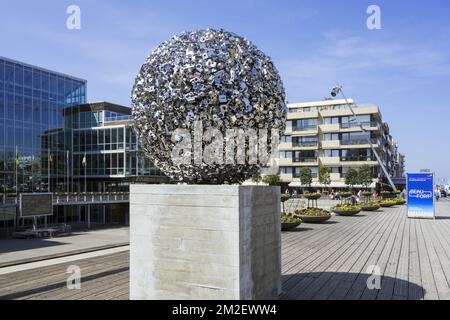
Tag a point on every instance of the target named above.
point(205, 242)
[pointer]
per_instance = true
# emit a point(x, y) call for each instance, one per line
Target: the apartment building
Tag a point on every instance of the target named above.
point(324, 133)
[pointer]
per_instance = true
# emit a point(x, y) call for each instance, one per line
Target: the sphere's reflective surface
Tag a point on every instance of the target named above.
point(208, 76)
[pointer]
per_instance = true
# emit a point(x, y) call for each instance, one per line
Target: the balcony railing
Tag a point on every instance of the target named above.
point(297, 175)
point(305, 159)
point(305, 144)
point(356, 125)
point(305, 128)
point(361, 158)
point(357, 141)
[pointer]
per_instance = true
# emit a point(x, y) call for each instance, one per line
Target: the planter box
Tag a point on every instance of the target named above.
point(204, 242)
point(346, 212)
point(386, 205)
point(369, 208)
point(289, 225)
point(313, 219)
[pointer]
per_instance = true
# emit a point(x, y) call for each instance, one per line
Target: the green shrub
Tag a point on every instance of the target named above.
point(285, 197)
point(366, 194)
point(313, 212)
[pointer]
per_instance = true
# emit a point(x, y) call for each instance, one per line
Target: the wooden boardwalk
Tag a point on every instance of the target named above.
point(327, 261)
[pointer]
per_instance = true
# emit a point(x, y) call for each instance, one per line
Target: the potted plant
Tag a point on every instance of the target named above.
point(312, 196)
point(399, 201)
point(370, 206)
point(313, 215)
point(346, 210)
point(386, 203)
point(289, 222)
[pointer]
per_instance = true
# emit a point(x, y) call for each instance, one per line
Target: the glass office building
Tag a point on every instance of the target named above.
point(33, 142)
point(101, 133)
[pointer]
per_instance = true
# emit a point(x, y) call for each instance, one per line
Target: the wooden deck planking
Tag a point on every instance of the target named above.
point(325, 261)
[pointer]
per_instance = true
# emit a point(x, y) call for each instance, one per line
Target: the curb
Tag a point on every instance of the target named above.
point(62, 254)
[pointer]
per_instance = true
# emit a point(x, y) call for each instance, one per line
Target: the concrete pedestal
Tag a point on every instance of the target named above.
point(205, 242)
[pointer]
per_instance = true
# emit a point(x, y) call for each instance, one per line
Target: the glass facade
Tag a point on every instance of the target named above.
point(106, 140)
point(33, 142)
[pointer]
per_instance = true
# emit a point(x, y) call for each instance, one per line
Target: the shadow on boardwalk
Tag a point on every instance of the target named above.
point(346, 286)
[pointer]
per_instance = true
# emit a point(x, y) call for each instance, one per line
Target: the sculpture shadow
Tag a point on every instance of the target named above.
point(346, 286)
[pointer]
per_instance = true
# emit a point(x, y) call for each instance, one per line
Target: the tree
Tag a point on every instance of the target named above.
point(257, 178)
point(324, 175)
point(365, 176)
point(306, 176)
point(351, 178)
point(272, 179)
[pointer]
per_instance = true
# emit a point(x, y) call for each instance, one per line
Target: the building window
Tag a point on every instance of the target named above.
point(304, 125)
point(331, 153)
point(286, 170)
point(331, 120)
point(331, 136)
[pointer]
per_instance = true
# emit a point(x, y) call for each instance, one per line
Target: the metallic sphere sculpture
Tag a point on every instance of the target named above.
point(212, 77)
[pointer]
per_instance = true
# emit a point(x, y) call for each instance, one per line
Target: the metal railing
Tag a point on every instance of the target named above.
point(305, 128)
point(305, 144)
point(358, 159)
point(304, 159)
point(85, 198)
point(371, 124)
point(358, 141)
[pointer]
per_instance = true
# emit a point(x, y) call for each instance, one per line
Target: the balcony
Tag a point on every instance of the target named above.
point(302, 115)
point(358, 159)
point(330, 160)
point(305, 144)
point(297, 175)
point(305, 128)
point(330, 144)
point(304, 159)
point(329, 127)
point(366, 125)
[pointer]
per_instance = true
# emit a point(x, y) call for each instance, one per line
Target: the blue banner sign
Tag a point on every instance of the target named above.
point(420, 195)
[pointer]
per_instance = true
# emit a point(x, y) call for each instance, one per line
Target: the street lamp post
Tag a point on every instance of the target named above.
point(334, 92)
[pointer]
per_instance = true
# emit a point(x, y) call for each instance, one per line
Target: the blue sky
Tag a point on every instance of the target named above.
point(404, 67)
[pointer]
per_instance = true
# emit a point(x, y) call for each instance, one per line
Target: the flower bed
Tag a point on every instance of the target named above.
point(313, 215)
point(346, 210)
point(399, 201)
